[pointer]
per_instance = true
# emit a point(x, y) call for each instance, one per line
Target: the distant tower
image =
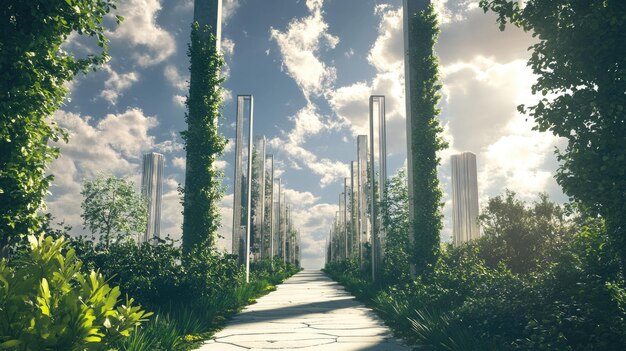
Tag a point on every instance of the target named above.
point(152, 190)
point(464, 198)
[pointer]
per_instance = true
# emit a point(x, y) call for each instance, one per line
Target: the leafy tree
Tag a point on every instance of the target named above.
point(113, 209)
point(580, 61)
point(525, 237)
point(33, 72)
point(426, 141)
point(203, 143)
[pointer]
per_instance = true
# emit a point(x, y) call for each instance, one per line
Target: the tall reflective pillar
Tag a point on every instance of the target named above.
point(410, 9)
point(243, 189)
point(362, 205)
point(269, 213)
point(378, 178)
point(259, 190)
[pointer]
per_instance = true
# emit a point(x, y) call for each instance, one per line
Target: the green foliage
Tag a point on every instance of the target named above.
point(48, 303)
point(395, 210)
point(203, 143)
point(583, 96)
point(496, 294)
point(153, 273)
point(274, 270)
point(158, 334)
point(523, 237)
point(113, 209)
point(191, 300)
point(33, 71)
point(425, 142)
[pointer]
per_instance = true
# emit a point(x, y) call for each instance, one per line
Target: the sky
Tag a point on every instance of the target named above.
point(311, 67)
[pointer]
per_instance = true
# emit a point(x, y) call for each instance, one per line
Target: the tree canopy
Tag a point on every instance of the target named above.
point(34, 69)
point(580, 62)
point(113, 209)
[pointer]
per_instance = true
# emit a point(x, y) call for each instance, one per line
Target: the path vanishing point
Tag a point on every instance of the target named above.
point(308, 311)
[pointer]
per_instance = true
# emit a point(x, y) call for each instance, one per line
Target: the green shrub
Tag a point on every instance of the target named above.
point(155, 275)
point(568, 295)
point(274, 270)
point(46, 302)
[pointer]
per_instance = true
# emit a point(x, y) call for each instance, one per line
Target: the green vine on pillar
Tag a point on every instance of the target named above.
point(203, 142)
point(426, 141)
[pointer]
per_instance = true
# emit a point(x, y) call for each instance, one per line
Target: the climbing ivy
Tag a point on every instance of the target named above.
point(426, 140)
point(203, 142)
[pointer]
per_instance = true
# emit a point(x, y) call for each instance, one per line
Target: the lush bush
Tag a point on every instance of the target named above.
point(47, 302)
point(191, 295)
point(524, 237)
point(274, 270)
point(155, 275)
point(494, 294)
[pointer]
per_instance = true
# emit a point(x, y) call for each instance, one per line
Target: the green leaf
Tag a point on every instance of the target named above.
point(10, 343)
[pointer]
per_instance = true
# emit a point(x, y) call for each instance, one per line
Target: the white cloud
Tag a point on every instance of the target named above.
point(151, 44)
point(306, 122)
point(313, 222)
point(114, 145)
point(387, 53)
point(481, 98)
point(170, 145)
point(299, 198)
point(351, 103)
point(221, 164)
point(228, 47)
point(179, 162)
point(329, 170)
point(225, 231)
point(229, 7)
point(227, 95)
point(117, 83)
point(177, 80)
point(387, 56)
point(179, 100)
point(299, 46)
point(171, 210)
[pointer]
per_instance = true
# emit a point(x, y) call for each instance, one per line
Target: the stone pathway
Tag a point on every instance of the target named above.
point(308, 311)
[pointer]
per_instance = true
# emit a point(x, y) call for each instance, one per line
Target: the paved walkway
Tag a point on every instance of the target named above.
point(309, 312)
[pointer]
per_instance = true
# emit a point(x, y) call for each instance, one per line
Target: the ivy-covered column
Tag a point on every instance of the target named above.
point(423, 132)
point(203, 143)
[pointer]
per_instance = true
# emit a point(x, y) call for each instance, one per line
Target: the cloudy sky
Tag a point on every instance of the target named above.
point(311, 66)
